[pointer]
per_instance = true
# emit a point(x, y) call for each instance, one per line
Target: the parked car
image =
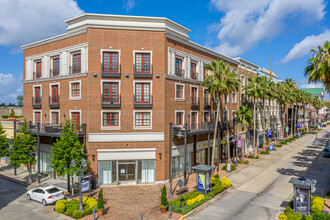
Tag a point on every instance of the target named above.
point(46, 195)
point(326, 152)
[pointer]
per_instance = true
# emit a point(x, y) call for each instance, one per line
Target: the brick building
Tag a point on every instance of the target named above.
point(127, 78)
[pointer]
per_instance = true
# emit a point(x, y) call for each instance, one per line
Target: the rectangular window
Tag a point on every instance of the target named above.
point(37, 118)
point(178, 67)
point(110, 119)
point(38, 69)
point(194, 95)
point(56, 66)
point(142, 119)
point(194, 120)
point(207, 100)
point(142, 63)
point(193, 73)
point(207, 116)
point(76, 63)
point(179, 118)
point(142, 93)
point(234, 97)
point(110, 92)
point(204, 72)
point(55, 118)
point(242, 81)
point(75, 89)
point(110, 62)
point(179, 92)
point(226, 98)
point(76, 118)
point(55, 97)
point(37, 95)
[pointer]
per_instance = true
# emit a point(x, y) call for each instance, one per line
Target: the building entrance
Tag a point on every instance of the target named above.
point(126, 170)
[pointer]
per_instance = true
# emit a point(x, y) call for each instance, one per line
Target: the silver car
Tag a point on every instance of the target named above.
point(46, 195)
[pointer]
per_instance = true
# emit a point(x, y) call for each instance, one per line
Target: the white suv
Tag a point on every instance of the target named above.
point(46, 195)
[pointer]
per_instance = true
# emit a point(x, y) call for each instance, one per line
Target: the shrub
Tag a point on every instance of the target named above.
point(88, 211)
point(68, 212)
point(232, 168)
point(283, 142)
point(279, 145)
point(320, 216)
point(318, 200)
point(288, 210)
point(257, 157)
point(92, 204)
point(85, 200)
point(240, 162)
point(225, 182)
point(60, 201)
point(5, 116)
point(77, 214)
point(60, 207)
point(282, 217)
point(163, 198)
point(246, 162)
point(264, 152)
point(100, 203)
point(251, 157)
point(12, 113)
point(217, 176)
point(316, 208)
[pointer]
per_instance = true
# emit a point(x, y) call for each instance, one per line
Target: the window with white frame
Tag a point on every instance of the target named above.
point(76, 62)
point(193, 72)
point(110, 91)
point(55, 117)
point(178, 67)
point(194, 95)
point(110, 120)
point(207, 116)
point(142, 119)
point(215, 115)
point(142, 92)
point(38, 69)
point(110, 61)
point(233, 114)
point(207, 97)
point(55, 62)
point(234, 98)
point(179, 92)
point(179, 118)
point(37, 117)
point(242, 80)
point(75, 90)
point(226, 98)
point(194, 120)
point(37, 95)
point(225, 115)
point(142, 62)
point(76, 117)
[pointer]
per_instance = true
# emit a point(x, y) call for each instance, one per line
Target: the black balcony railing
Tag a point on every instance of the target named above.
point(194, 102)
point(145, 74)
point(54, 72)
point(112, 71)
point(36, 102)
point(207, 103)
point(36, 75)
point(142, 104)
point(193, 75)
point(74, 70)
point(52, 129)
point(110, 102)
point(54, 101)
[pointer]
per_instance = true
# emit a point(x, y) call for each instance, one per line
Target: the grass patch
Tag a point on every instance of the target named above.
point(264, 152)
point(232, 168)
point(246, 162)
point(279, 145)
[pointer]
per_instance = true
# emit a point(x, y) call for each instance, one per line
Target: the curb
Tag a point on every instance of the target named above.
point(15, 180)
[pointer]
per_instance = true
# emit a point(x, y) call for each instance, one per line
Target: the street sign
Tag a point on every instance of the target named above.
point(239, 142)
point(222, 141)
point(233, 140)
point(180, 183)
point(85, 184)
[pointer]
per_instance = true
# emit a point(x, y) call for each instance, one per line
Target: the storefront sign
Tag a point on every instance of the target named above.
point(302, 201)
point(239, 142)
point(201, 181)
point(85, 184)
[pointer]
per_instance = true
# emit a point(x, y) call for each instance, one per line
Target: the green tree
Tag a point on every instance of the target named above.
point(65, 149)
point(243, 116)
point(4, 143)
point(23, 149)
point(318, 69)
point(12, 113)
point(19, 99)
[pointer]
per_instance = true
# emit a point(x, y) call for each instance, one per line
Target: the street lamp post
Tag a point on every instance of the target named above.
point(81, 171)
point(31, 150)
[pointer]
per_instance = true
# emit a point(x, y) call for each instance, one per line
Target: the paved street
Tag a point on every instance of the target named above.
point(262, 189)
point(15, 206)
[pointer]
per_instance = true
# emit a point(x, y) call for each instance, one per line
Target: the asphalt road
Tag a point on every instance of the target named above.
point(15, 206)
point(261, 190)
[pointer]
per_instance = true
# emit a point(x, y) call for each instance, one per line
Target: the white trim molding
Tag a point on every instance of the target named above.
point(127, 154)
point(70, 90)
point(51, 117)
point(40, 90)
point(197, 119)
point(184, 115)
point(34, 119)
point(184, 87)
point(110, 128)
point(126, 137)
point(143, 51)
point(111, 50)
point(50, 88)
point(142, 127)
point(70, 112)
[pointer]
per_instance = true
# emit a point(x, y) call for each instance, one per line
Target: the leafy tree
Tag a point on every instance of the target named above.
point(65, 149)
point(12, 113)
point(243, 116)
point(4, 143)
point(19, 99)
point(23, 149)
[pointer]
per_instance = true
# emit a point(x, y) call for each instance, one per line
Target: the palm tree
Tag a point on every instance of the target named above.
point(243, 117)
point(318, 69)
point(291, 85)
point(281, 98)
point(220, 80)
point(253, 89)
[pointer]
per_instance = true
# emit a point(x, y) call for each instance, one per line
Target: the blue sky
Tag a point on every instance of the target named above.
point(251, 29)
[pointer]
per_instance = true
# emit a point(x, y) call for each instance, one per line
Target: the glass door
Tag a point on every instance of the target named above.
point(126, 170)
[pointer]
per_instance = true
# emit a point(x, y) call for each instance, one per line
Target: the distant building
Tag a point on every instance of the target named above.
point(266, 72)
point(317, 92)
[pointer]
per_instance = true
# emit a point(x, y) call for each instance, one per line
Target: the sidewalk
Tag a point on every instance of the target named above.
point(7, 171)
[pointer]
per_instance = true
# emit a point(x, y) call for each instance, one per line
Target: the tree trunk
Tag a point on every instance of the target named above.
point(72, 179)
point(254, 128)
point(68, 183)
point(228, 144)
point(243, 145)
point(263, 126)
point(215, 131)
point(292, 120)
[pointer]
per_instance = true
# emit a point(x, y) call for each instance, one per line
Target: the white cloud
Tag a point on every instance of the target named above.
point(303, 47)
point(10, 88)
point(246, 23)
point(129, 4)
point(26, 21)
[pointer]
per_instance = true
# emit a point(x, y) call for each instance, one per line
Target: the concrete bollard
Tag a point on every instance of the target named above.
point(93, 213)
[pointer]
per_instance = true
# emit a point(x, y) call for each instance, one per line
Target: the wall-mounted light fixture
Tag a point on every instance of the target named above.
point(95, 74)
point(160, 155)
point(64, 115)
point(93, 156)
point(157, 75)
point(45, 115)
point(126, 75)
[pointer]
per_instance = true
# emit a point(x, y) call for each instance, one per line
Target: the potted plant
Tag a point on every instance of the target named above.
point(100, 203)
point(163, 200)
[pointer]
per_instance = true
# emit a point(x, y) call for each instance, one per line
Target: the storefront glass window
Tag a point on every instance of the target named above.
point(107, 172)
point(146, 171)
point(178, 165)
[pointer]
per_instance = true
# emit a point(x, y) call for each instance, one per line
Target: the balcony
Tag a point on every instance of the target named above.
point(36, 102)
point(53, 130)
point(207, 103)
point(111, 73)
point(36, 75)
point(144, 104)
point(74, 71)
point(194, 103)
point(111, 103)
point(54, 101)
point(54, 73)
point(194, 75)
point(141, 74)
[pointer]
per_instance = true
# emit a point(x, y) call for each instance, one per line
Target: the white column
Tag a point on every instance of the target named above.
point(64, 63)
point(45, 67)
point(172, 63)
point(199, 70)
point(187, 67)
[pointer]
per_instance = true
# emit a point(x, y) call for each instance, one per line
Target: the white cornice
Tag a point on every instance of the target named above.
point(247, 63)
point(53, 39)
